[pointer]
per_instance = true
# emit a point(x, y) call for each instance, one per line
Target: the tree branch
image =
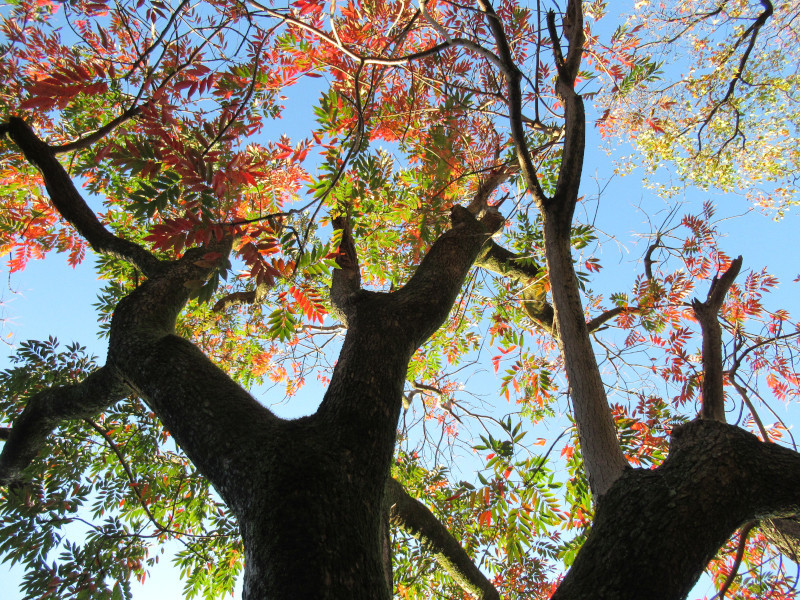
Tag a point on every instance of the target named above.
point(707, 313)
point(45, 410)
point(364, 398)
point(346, 280)
point(606, 316)
point(417, 520)
point(513, 79)
point(743, 533)
point(380, 61)
point(715, 479)
point(784, 534)
point(751, 31)
point(569, 173)
point(129, 474)
point(603, 457)
point(69, 203)
point(572, 24)
point(503, 262)
point(746, 399)
point(211, 417)
point(87, 140)
point(255, 296)
point(648, 258)
point(438, 279)
point(141, 58)
point(496, 178)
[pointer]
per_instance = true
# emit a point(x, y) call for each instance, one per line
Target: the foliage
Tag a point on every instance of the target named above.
point(709, 87)
point(84, 523)
point(399, 135)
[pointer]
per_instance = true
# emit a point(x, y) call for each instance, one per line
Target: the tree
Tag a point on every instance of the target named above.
point(161, 109)
point(729, 119)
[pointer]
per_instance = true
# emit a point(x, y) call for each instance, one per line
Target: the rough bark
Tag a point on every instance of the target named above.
point(503, 262)
point(309, 493)
point(784, 534)
point(655, 531)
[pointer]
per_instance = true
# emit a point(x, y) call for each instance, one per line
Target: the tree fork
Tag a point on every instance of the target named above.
point(655, 531)
point(707, 313)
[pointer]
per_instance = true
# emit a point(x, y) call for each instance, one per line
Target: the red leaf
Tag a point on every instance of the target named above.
point(485, 518)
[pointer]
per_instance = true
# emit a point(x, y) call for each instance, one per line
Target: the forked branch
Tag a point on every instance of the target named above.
point(569, 172)
point(513, 79)
point(707, 313)
point(751, 34)
point(439, 278)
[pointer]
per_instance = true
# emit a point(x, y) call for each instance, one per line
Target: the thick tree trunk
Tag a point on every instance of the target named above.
point(655, 531)
point(313, 529)
point(308, 494)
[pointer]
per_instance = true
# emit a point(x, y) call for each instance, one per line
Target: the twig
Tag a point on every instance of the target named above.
point(743, 533)
point(752, 31)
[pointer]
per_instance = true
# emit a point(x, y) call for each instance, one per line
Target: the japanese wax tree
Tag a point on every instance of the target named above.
point(436, 231)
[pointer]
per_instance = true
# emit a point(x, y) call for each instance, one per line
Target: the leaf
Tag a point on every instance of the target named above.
point(116, 592)
point(310, 303)
point(282, 324)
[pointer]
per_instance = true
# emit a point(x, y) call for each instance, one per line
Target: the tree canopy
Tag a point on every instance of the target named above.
point(502, 413)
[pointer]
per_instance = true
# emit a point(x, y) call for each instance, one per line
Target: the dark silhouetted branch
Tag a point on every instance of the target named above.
point(71, 206)
point(87, 140)
point(513, 79)
point(47, 409)
point(418, 521)
point(743, 533)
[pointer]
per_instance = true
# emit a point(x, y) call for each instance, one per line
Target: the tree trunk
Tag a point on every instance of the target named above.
point(311, 528)
point(309, 493)
point(655, 531)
